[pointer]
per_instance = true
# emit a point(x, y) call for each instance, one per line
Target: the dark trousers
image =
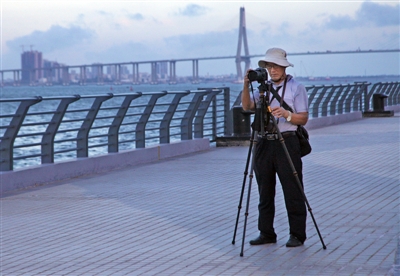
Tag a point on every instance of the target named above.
point(271, 160)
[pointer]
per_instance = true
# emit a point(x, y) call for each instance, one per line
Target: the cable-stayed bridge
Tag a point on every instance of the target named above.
point(62, 74)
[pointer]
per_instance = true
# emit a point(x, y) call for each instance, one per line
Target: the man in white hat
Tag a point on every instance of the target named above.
point(270, 157)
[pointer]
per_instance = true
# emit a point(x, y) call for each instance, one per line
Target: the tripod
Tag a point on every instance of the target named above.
point(262, 105)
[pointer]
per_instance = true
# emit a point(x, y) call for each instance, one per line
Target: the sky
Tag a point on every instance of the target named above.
point(85, 32)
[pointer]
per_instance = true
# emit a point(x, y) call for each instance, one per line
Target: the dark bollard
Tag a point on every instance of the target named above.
point(241, 122)
point(378, 101)
point(241, 129)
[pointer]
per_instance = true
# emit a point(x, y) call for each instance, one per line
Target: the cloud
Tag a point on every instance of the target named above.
point(380, 15)
point(104, 13)
point(208, 44)
point(192, 10)
point(136, 16)
point(174, 47)
point(124, 52)
point(55, 38)
point(369, 14)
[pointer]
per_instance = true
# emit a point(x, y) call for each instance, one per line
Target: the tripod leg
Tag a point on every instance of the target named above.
point(243, 186)
point(282, 141)
point(248, 198)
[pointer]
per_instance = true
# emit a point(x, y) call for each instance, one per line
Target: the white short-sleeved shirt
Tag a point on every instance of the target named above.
point(295, 96)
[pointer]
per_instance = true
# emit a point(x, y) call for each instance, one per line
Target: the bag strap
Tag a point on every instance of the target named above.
point(280, 99)
point(284, 90)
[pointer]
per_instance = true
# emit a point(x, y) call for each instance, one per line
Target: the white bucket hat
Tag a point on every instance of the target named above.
point(277, 56)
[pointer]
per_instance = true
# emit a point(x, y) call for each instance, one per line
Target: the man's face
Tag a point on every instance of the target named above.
point(275, 71)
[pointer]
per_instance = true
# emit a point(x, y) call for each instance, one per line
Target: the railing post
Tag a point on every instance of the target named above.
point(356, 97)
point(315, 104)
point(186, 127)
point(391, 93)
point(326, 100)
point(350, 97)
point(83, 133)
point(386, 87)
point(51, 131)
point(314, 89)
point(333, 104)
point(165, 137)
point(214, 119)
point(363, 93)
point(113, 145)
point(7, 141)
point(380, 87)
point(396, 94)
point(201, 112)
point(141, 125)
point(368, 99)
point(340, 105)
point(227, 112)
point(228, 117)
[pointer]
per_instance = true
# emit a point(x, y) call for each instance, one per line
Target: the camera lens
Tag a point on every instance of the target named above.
point(253, 75)
point(259, 75)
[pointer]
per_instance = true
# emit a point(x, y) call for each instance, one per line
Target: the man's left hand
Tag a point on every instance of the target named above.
point(280, 112)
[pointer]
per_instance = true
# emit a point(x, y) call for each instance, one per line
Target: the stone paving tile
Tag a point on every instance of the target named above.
point(176, 217)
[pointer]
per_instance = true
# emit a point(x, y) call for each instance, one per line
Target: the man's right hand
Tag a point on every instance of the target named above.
point(246, 81)
point(247, 103)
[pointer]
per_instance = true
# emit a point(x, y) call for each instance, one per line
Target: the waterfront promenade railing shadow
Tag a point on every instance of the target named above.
point(39, 131)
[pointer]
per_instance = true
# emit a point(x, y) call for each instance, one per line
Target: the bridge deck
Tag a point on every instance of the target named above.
point(177, 217)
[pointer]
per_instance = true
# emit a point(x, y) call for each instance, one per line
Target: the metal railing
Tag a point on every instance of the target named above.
point(42, 130)
point(329, 100)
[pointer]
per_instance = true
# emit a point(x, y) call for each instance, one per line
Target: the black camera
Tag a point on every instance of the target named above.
point(259, 75)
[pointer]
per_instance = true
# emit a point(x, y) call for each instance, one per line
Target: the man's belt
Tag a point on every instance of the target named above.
point(274, 136)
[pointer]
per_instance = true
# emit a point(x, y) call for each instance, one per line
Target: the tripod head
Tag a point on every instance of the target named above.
point(264, 87)
point(262, 107)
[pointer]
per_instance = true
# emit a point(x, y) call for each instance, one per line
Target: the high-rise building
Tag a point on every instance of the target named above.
point(31, 65)
point(162, 69)
point(124, 70)
point(97, 71)
point(111, 70)
point(52, 71)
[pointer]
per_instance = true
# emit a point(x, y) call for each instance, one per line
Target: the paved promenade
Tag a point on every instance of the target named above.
point(177, 216)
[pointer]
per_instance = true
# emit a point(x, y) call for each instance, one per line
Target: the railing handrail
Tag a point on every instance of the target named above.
point(138, 119)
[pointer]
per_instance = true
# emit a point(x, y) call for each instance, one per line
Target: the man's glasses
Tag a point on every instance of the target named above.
point(271, 65)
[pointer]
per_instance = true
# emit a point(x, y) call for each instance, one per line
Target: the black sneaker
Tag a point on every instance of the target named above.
point(293, 242)
point(262, 240)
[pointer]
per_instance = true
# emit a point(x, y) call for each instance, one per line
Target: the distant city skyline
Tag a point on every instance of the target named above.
point(88, 32)
point(35, 69)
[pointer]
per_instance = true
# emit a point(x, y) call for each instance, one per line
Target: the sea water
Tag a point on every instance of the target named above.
point(93, 89)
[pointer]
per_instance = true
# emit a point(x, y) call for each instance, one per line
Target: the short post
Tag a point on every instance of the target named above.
point(241, 122)
point(378, 101)
point(241, 129)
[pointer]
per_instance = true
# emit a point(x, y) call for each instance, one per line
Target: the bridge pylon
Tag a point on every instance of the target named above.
point(242, 39)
